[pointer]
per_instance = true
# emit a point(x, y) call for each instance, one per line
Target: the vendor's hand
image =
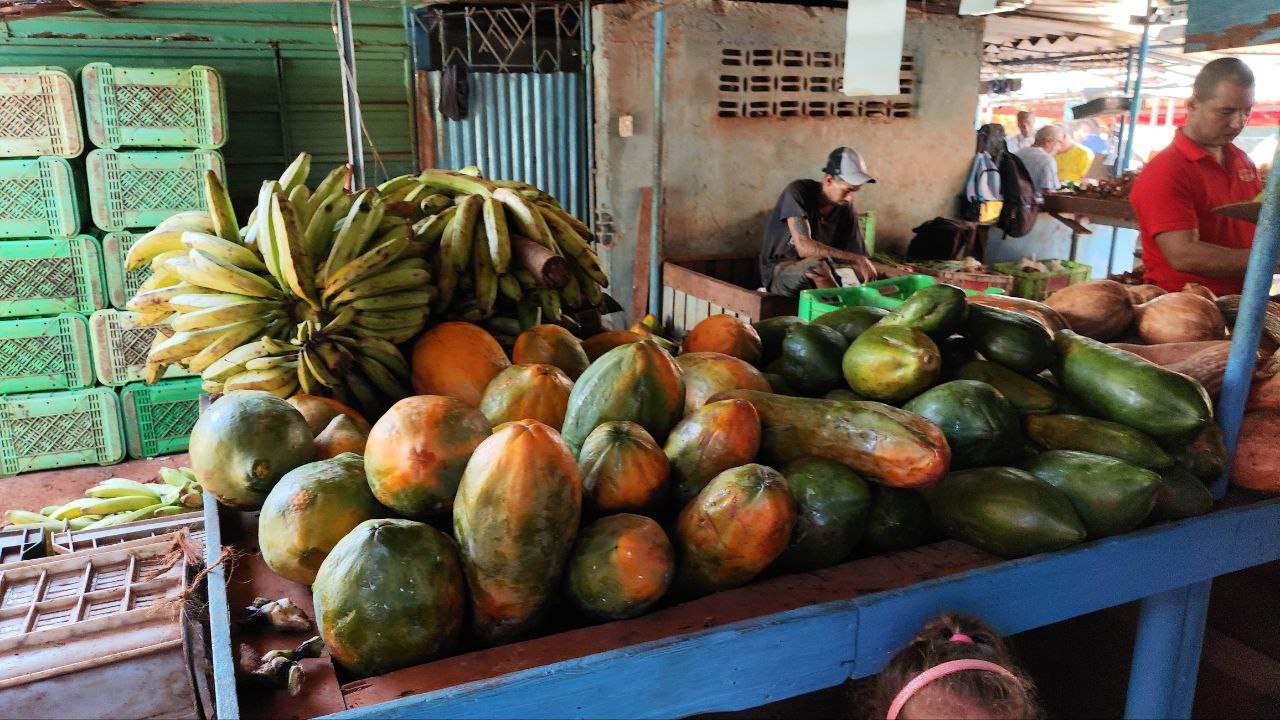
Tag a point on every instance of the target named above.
point(865, 269)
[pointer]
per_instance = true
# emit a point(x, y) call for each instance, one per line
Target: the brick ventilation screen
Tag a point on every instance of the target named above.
point(781, 83)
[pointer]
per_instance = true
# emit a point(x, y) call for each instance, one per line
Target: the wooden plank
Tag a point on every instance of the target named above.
point(1215, 25)
point(426, 119)
point(640, 271)
point(710, 289)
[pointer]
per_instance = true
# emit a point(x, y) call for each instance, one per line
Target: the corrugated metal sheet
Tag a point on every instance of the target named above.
point(521, 126)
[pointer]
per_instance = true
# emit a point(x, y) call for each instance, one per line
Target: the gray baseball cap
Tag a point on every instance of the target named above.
point(846, 164)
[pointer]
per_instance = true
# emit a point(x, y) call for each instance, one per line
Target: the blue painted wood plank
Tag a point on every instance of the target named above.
point(224, 669)
point(1219, 25)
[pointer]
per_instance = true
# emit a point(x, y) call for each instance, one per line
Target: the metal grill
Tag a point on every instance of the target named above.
point(529, 37)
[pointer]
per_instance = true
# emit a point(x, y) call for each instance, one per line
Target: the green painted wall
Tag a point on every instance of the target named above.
point(279, 66)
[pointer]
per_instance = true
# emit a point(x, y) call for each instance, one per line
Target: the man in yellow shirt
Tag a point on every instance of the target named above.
point(1074, 160)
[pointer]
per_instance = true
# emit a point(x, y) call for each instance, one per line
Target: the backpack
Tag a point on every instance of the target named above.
point(991, 141)
point(982, 197)
point(1018, 214)
point(944, 239)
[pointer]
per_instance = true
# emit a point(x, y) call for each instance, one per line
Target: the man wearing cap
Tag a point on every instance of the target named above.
point(814, 224)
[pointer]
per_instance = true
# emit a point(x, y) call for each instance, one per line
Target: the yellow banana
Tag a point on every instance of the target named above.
point(299, 199)
point(227, 365)
point(250, 309)
point(306, 381)
point(157, 281)
point(146, 248)
point(361, 220)
point(76, 508)
point(295, 265)
point(192, 300)
point(316, 367)
point(457, 183)
point(263, 236)
point(184, 344)
point(340, 321)
point(269, 380)
point(107, 506)
point(160, 298)
point(527, 218)
point(297, 172)
point(333, 184)
point(266, 363)
point(208, 271)
point(231, 252)
point(458, 243)
point(430, 230)
point(221, 213)
point(197, 220)
point(118, 487)
point(435, 203)
point(361, 267)
point(499, 239)
point(232, 336)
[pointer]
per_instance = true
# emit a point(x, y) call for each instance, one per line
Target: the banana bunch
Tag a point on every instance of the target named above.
point(116, 501)
point(363, 371)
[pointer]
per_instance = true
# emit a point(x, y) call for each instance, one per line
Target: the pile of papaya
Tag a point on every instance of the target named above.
point(561, 481)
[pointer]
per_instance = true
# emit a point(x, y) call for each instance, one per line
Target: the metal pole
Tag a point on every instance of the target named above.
point(350, 95)
point(655, 208)
point(1166, 653)
point(1135, 105)
point(589, 110)
point(1117, 166)
point(1253, 308)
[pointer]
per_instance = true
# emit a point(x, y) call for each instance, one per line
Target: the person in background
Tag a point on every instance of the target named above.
point(1183, 240)
point(1026, 132)
point(1092, 138)
point(957, 667)
point(1040, 159)
point(1074, 160)
point(814, 225)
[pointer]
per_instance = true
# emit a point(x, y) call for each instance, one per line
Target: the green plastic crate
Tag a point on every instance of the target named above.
point(142, 189)
point(886, 294)
point(39, 114)
point(120, 348)
point(154, 107)
point(121, 284)
point(41, 354)
point(1038, 285)
point(40, 431)
point(867, 220)
point(158, 418)
point(38, 198)
point(47, 277)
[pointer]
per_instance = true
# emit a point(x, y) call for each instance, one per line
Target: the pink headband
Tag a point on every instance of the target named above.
point(937, 671)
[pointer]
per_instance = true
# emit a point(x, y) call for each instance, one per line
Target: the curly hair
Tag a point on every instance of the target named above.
point(997, 696)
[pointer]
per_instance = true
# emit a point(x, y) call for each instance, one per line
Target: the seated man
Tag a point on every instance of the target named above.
point(813, 224)
point(1039, 158)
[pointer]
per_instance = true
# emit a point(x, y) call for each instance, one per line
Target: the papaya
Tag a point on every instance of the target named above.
point(389, 595)
point(320, 411)
point(1052, 320)
point(1180, 495)
point(639, 382)
point(811, 359)
point(890, 446)
point(1005, 511)
point(955, 351)
point(771, 331)
point(620, 566)
point(417, 451)
point(1110, 496)
point(458, 360)
point(245, 442)
point(935, 310)
point(1206, 456)
point(723, 434)
point(342, 435)
point(309, 511)
point(982, 428)
point(1027, 396)
point(841, 394)
point(851, 321)
point(1012, 340)
point(623, 469)
point(898, 520)
point(832, 504)
point(551, 345)
point(1077, 432)
point(706, 374)
point(725, 334)
point(515, 517)
point(1122, 387)
point(891, 363)
point(739, 524)
point(603, 342)
point(536, 391)
point(779, 385)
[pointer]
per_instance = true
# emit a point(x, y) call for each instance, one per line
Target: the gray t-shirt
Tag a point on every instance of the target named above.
point(1041, 166)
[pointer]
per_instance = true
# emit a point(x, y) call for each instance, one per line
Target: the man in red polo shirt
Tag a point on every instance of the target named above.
point(1183, 240)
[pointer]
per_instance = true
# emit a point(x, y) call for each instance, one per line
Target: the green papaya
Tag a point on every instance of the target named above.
point(1005, 511)
point(891, 363)
point(1206, 456)
point(935, 310)
point(771, 331)
point(780, 385)
point(1110, 496)
point(1077, 432)
point(811, 359)
point(639, 382)
point(1015, 341)
point(851, 321)
point(832, 503)
point(982, 428)
point(841, 394)
point(1026, 395)
point(1122, 387)
point(956, 351)
point(898, 520)
point(621, 565)
point(1180, 495)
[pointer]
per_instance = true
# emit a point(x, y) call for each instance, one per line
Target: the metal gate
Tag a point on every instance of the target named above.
point(528, 115)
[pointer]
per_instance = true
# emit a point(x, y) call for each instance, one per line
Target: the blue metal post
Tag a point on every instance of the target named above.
point(589, 112)
point(1253, 308)
point(1166, 653)
point(1118, 162)
point(655, 207)
point(1135, 104)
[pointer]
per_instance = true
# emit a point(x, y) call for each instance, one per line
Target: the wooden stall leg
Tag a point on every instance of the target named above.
point(1166, 653)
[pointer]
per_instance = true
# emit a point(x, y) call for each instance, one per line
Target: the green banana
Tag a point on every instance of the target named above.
point(509, 287)
point(497, 235)
point(527, 218)
point(457, 183)
point(401, 300)
point(362, 266)
point(382, 284)
point(221, 213)
point(296, 266)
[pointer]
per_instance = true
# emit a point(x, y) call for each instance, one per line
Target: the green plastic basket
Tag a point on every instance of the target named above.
point(886, 294)
point(158, 418)
point(121, 284)
point(120, 348)
point(867, 220)
point(39, 114)
point(154, 107)
point(41, 354)
point(47, 277)
point(40, 431)
point(142, 189)
point(1038, 285)
point(38, 199)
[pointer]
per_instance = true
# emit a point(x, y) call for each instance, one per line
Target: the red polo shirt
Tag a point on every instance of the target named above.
point(1178, 190)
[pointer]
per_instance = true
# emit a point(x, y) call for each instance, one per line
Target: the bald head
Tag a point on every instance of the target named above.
point(1051, 138)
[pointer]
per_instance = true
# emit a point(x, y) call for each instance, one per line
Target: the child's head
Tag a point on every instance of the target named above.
point(929, 677)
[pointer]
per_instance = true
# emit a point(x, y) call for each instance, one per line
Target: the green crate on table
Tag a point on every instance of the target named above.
point(1038, 285)
point(158, 418)
point(47, 277)
point(154, 107)
point(886, 294)
point(39, 113)
point(38, 198)
point(40, 431)
point(47, 353)
point(120, 348)
point(142, 189)
point(867, 220)
point(121, 284)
